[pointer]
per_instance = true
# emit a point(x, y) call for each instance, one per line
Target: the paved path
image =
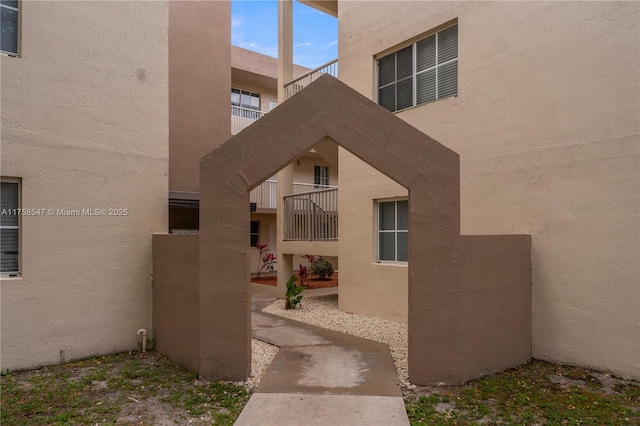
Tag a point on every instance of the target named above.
point(319, 376)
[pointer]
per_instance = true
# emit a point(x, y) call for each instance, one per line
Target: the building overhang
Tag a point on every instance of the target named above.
point(329, 7)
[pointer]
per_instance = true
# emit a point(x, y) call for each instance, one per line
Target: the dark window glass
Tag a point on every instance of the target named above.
point(406, 79)
point(255, 232)
point(393, 235)
point(9, 232)
point(9, 27)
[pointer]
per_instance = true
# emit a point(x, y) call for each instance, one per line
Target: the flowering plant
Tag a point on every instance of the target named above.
point(266, 260)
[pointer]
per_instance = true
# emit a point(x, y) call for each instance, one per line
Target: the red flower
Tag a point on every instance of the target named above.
point(303, 271)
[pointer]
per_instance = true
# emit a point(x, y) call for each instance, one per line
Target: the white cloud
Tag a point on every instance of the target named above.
point(236, 22)
point(302, 45)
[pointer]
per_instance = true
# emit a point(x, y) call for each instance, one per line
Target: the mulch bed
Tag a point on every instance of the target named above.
point(272, 280)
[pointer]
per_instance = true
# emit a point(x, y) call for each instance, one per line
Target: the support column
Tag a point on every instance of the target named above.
point(285, 46)
point(285, 176)
point(285, 260)
point(285, 270)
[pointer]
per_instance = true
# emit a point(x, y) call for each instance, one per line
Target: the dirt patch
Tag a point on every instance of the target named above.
point(272, 280)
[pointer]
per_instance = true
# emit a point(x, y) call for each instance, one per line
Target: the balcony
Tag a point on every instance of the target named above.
point(311, 216)
point(304, 80)
point(241, 118)
point(265, 195)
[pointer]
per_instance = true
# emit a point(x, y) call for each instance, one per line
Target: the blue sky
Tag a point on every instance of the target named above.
point(254, 26)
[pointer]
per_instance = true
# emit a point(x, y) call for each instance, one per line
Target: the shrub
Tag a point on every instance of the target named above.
point(321, 268)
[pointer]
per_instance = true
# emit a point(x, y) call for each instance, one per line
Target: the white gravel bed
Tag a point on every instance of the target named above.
point(261, 356)
point(322, 311)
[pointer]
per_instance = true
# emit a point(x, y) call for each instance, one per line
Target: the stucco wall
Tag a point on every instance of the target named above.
point(304, 173)
point(369, 288)
point(84, 125)
point(546, 125)
point(176, 323)
point(257, 63)
point(495, 281)
point(199, 86)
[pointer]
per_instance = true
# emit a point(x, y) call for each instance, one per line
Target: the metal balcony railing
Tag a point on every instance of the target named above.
point(311, 216)
point(241, 118)
point(265, 195)
point(304, 80)
point(299, 187)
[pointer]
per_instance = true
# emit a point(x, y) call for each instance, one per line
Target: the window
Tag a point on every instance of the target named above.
point(393, 231)
point(423, 72)
point(255, 232)
point(321, 176)
point(9, 227)
point(9, 27)
point(244, 101)
point(272, 104)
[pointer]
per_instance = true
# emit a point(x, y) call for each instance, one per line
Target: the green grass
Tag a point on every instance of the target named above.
point(526, 395)
point(123, 388)
point(146, 389)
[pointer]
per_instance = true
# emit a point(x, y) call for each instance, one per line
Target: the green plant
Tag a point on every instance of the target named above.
point(265, 259)
point(321, 268)
point(293, 296)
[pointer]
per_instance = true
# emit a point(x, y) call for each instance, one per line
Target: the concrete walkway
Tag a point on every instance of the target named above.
point(319, 376)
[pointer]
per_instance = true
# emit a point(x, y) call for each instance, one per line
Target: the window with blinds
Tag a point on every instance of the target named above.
point(9, 27)
point(9, 227)
point(423, 72)
point(393, 231)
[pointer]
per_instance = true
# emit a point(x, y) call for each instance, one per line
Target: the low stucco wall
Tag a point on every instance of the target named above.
point(495, 283)
point(175, 298)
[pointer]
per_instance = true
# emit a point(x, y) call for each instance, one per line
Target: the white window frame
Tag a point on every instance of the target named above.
point(323, 177)
point(394, 231)
point(18, 227)
point(251, 95)
point(414, 73)
point(16, 53)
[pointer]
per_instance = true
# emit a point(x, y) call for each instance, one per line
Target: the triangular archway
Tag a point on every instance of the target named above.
point(430, 171)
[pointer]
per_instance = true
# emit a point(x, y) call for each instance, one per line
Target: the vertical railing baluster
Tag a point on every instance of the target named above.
point(303, 81)
point(312, 216)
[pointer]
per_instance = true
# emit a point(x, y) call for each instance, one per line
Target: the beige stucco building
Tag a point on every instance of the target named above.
point(542, 102)
point(234, 97)
point(96, 132)
point(84, 127)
